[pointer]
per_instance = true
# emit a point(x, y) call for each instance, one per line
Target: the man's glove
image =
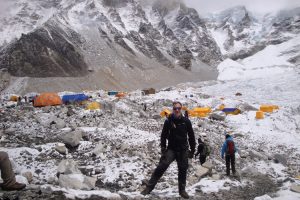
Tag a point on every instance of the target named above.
point(163, 150)
point(191, 154)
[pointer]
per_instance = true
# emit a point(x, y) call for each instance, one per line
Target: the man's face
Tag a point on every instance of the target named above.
point(177, 109)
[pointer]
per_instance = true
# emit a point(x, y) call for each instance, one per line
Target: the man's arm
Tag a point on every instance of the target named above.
point(191, 135)
point(164, 135)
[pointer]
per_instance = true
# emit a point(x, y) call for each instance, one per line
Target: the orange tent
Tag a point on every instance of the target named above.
point(47, 99)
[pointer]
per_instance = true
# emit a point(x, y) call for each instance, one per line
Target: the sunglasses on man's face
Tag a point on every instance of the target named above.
point(176, 108)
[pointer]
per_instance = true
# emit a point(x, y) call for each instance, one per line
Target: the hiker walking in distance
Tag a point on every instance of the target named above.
point(229, 149)
point(203, 150)
point(179, 133)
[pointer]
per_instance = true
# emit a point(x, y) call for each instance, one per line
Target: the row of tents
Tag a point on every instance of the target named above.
point(54, 99)
point(205, 111)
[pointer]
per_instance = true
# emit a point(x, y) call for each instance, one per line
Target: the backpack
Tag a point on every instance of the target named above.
point(230, 147)
point(206, 150)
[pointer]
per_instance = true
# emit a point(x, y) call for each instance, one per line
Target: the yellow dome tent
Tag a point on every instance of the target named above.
point(93, 106)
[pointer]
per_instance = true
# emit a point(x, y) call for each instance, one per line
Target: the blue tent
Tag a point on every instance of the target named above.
point(112, 93)
point(233, 111)
point(72, 98)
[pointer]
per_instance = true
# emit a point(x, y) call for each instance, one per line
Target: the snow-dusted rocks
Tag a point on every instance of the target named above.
point(61, 148)
point(72, 138)
point(280, 158)
point(201, 171)
point(219, 115)
point(257, 155)
point(68, 167)
point(77, 181)
point(71, 177)
point(28, 175)
point(99, 149)
point(295, 188)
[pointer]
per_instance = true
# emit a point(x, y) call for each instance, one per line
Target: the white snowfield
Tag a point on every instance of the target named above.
point(272, 60)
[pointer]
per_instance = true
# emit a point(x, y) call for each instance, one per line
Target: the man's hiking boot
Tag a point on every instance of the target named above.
point(16, 186)
point(146, 191)
point(184, 194)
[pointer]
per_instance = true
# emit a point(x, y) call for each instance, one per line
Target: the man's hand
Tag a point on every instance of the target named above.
point(191, 154)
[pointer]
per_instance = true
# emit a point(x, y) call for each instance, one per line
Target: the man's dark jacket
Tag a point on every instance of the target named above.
point(179, 133)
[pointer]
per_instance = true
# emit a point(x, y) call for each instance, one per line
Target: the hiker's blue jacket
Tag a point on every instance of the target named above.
point(224, 147)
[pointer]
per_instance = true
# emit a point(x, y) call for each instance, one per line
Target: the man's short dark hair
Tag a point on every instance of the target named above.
point(227, 136)
point(177, 102)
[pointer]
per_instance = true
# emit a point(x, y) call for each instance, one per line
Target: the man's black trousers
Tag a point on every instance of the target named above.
point(230, 160)
point(166, 159)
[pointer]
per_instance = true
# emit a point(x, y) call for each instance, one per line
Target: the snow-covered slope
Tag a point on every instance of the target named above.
point(273, 60)
point(240, 33)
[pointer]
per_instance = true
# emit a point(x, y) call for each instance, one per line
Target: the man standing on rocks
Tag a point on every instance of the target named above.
point(7, 174)
point(229, 148)
point(180, 135)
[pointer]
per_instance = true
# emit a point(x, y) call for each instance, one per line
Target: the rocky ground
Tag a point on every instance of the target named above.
point(67, 152)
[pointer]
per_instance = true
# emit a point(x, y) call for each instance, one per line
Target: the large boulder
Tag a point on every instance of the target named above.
point(72, 139)
point(219, 115)
point(68, 167)
point(201, 171)
point(208, 165)
point(99, 149)
point(77, 182)
point(256, 155)
point(246, 107)
point(61, 148)
point(280, 158)
point(295, 188)
point(59, 123)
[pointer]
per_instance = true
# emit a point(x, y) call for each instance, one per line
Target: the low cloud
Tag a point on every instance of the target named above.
point(256, 6)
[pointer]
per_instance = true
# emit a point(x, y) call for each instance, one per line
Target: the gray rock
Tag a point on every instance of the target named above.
point(295, 188)
point(68, 167)
point(99, 149)
point(10, 131)
point(61, 148)
point(77, 182)
point(246, 107)
point(250, 171)
point(59, 123)
point(201, 171)
point(28, 175)
point(218, 116)
point(72, 138)
point(243, 154)
point(254, 154)
point(21, 179)
point(208, 165)
point(280, 158)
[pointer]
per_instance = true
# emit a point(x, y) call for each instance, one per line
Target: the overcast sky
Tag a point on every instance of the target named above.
point(259, 6)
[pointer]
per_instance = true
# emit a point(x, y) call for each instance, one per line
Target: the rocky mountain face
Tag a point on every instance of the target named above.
point(240, 33)
point(121, 38)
